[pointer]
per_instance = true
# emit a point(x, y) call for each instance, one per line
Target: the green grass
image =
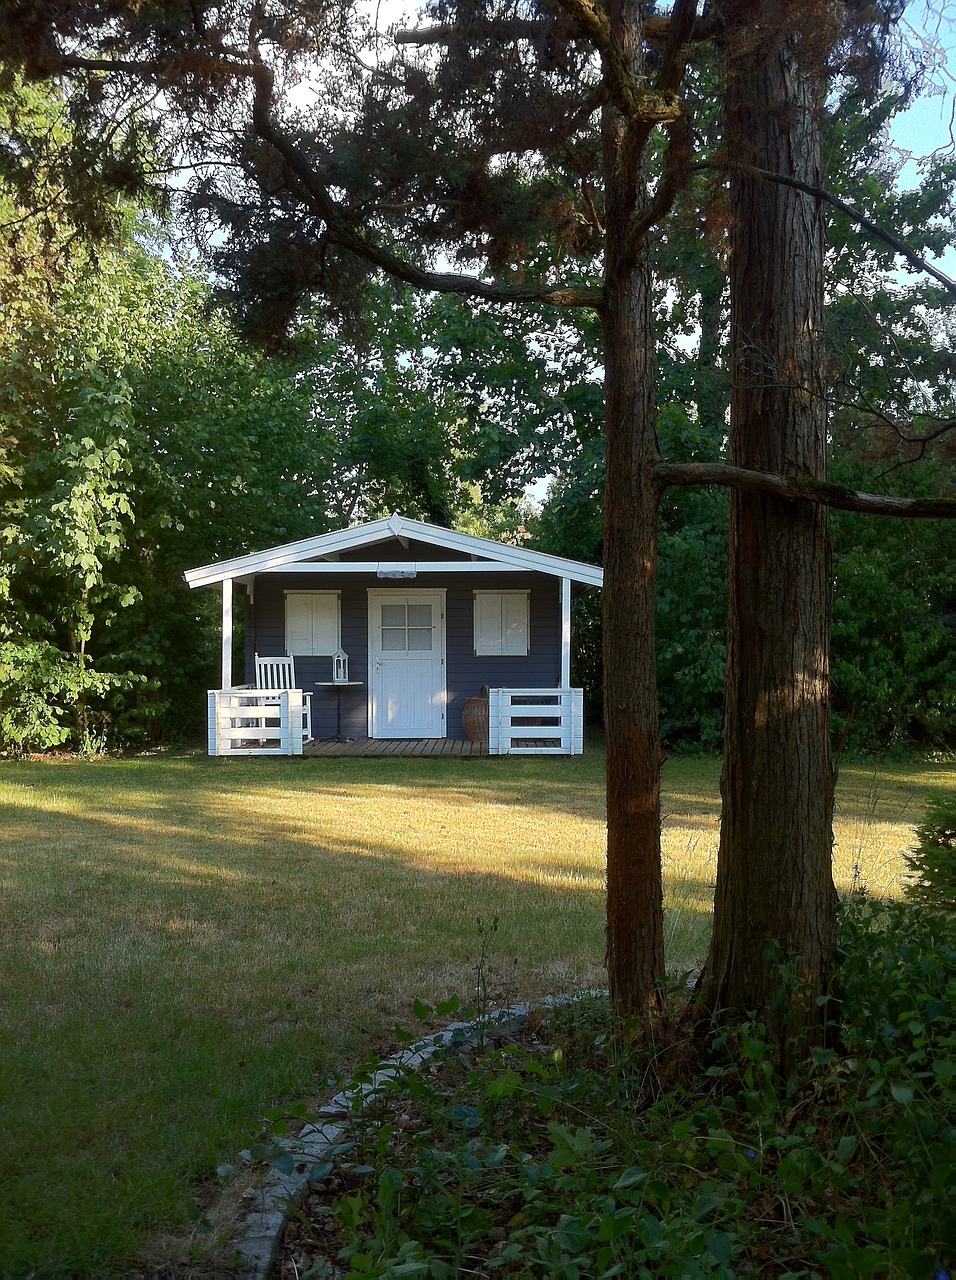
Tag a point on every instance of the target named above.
point(184, 942)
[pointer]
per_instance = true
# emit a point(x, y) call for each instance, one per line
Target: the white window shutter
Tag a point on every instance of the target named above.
point(325, 622)
point(312, 623)
point(487, 623)
point(298, 624)
point(501, 623)
point(514, 623)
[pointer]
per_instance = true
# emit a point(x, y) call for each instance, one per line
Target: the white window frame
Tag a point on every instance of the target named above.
point(499, 647)
point(319, 646)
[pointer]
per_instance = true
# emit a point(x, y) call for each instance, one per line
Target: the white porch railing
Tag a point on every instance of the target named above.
point(257, 722)
point(535, 722)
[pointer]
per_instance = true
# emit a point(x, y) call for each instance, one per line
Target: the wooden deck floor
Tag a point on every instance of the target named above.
point(395, 747)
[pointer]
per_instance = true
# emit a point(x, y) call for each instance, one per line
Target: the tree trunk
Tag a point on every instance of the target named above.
point(635, 946)
point(775, 900)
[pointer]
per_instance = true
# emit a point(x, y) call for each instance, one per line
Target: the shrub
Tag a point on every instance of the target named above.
point(566, 1150)
point(44, 696)
point(932, 861)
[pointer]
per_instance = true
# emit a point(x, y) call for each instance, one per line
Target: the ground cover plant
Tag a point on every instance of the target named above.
point(186, 942)
point(572, 1149)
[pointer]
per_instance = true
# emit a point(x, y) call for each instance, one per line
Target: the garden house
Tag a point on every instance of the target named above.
point(397, 631)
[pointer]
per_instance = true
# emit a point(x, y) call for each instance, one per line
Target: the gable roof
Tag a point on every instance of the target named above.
point(309, 550)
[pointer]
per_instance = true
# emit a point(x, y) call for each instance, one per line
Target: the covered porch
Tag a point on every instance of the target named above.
point(245, 721)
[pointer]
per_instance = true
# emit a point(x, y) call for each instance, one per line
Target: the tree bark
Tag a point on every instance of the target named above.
point(635, 946)
point(775, 900)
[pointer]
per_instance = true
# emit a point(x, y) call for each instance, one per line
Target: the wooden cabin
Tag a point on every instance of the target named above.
point(394, 629)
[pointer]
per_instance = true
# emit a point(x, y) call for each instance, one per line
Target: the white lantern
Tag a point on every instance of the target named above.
point(340, 667)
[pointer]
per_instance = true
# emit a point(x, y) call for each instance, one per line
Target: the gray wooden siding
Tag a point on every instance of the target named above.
point(268, 631)
point(541, 669)
point(466, 673)
point(393, 550)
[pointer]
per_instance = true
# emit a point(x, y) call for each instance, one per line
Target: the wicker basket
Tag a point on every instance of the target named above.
point(474, 718)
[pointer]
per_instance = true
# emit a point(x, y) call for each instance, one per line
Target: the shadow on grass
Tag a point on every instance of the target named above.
point(574, 780)
point(175, 962)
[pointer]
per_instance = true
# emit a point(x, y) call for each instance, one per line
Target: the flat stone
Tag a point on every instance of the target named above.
point(259, 1250)
point(315, 1140)
point(264, 1222)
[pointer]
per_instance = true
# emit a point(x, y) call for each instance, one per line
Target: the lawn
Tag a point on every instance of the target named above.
point(185, 942)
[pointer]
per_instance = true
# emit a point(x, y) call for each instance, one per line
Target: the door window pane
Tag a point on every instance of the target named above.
point(393, 638)
point(407, 628)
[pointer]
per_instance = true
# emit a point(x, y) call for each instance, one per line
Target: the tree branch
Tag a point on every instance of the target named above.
point(650, 106)
point(500, 29)
point(680, 32)
point(943, 426)
point(344, 234)
point(798, 489)
point(317, 197)
point(940, 430)
point(891, 241)
point(157, 71)
point(672, 182)
point(656, 31)
point(677, 157)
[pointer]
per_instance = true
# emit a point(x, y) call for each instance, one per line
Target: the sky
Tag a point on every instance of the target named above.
point(930, 124)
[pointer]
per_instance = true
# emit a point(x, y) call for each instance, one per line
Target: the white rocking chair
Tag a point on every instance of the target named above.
point(278, 674)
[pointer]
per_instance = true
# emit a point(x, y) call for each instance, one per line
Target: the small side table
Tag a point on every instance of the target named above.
point(338, 686)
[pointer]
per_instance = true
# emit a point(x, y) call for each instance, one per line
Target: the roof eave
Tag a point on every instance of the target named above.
point(275, 558)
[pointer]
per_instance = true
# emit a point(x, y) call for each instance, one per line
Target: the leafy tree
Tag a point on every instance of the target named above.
point(146, 436)
point(522, 140)
point(60, 547)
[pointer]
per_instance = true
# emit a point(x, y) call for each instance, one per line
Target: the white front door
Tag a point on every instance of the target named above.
point(406, 664)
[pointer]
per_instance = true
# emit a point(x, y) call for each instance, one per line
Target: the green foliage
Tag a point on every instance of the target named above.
point(41, 688)
point(893, 657)
point(893, 660)
point(691, 575)
point(567, 1151)
point(932, 861)
point(139, 436)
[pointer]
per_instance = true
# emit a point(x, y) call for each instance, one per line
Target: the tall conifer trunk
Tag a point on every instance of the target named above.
point(774, 881)
point(635, 947)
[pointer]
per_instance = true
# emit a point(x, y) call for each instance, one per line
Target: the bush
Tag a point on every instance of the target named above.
point(932, 862)
point(44, 696)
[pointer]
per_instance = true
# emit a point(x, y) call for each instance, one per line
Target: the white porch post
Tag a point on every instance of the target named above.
point(226, 633)
point(565, 633)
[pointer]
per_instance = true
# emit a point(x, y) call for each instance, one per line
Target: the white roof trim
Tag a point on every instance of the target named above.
point(286, 556)
point(373, 566)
